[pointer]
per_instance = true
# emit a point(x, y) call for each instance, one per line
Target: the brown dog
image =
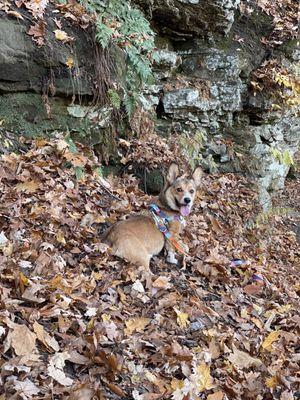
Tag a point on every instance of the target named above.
point(138, 238)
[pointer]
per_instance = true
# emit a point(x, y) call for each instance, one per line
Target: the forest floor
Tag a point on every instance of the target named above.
point(76, 322)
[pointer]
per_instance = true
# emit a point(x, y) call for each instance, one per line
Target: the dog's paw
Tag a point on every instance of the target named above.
point(171, 259)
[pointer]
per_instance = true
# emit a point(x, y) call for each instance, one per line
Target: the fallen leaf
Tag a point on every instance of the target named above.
point(15, 14)
point(48, 341)
point(138, 286)
point(241, 359)
point(55, 369)
point(267, 344)
point(62, 35)
point(182, 318)
point(136, 325)
point(253, 289)
point(26, 387)
point(162, 282)
point(272, 382)
point(28, 187)
point(22, 340)
point(203, 380)
point(216, 396)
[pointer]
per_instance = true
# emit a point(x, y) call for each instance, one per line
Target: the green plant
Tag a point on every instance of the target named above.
point(114, 98)
point(284, 157)
point(192, 146)
point(117, 22)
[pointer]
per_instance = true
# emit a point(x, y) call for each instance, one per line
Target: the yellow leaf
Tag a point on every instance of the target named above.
point(272, 337)
point(272, 382)
point(61, 35)
point(106, 317)
point(136, 325)
point(177, 384)
point(24, 279)
point(204, 380)
point(182, 318)
point(70, 62)
point(60, 237)
point(28, 187)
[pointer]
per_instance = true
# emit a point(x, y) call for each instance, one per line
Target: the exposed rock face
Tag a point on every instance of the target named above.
point(185, 18)
point(38, 84)
point(206, 88)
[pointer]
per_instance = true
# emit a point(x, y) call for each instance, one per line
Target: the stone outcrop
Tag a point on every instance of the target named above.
point(203, 85)
point(52, 87)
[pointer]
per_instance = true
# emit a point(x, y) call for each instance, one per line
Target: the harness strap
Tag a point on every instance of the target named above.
point(162, 221)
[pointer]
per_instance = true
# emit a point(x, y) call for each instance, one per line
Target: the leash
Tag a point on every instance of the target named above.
point(162, 221)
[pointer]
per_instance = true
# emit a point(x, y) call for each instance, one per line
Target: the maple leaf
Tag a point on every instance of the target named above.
point(182, 318)
point(203, 378)
point(38, 31)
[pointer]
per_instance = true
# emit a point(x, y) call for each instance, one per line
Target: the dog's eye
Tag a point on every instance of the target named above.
point(192, 191)
point(179, 190)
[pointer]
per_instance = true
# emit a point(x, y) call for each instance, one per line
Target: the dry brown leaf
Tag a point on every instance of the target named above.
point(241, 359)
point(22, 340)
point(267, 344)
point(204, 380)
point(28, 187)
point(44, 337)
point(135, 325)
point(216, 396)
point(162, 282)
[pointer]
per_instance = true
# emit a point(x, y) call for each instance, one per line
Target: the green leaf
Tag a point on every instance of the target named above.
point(114, 98)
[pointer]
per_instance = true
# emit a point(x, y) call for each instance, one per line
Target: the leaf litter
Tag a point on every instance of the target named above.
point(78, 323)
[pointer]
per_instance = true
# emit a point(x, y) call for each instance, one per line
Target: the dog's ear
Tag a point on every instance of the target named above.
point(197, 175)
point(173, 173)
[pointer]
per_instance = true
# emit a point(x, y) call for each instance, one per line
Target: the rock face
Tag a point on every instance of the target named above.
point(203, 73)
point(40, 87)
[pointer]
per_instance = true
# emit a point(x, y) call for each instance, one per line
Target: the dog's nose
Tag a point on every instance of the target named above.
point(187, 200)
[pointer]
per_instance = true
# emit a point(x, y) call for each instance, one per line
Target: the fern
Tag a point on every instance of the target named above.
point(114, 99)
point(120, 24)
point(130, 102)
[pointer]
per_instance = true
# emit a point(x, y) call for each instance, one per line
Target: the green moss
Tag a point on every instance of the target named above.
point(25, 114)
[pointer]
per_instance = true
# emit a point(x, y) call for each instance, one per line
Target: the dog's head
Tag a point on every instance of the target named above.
point(180, 189)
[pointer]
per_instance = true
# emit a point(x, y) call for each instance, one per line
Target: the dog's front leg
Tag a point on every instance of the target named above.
point(171, 258)
point(174, 229)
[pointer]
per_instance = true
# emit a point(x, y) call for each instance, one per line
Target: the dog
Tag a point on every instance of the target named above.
point(138, 238)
